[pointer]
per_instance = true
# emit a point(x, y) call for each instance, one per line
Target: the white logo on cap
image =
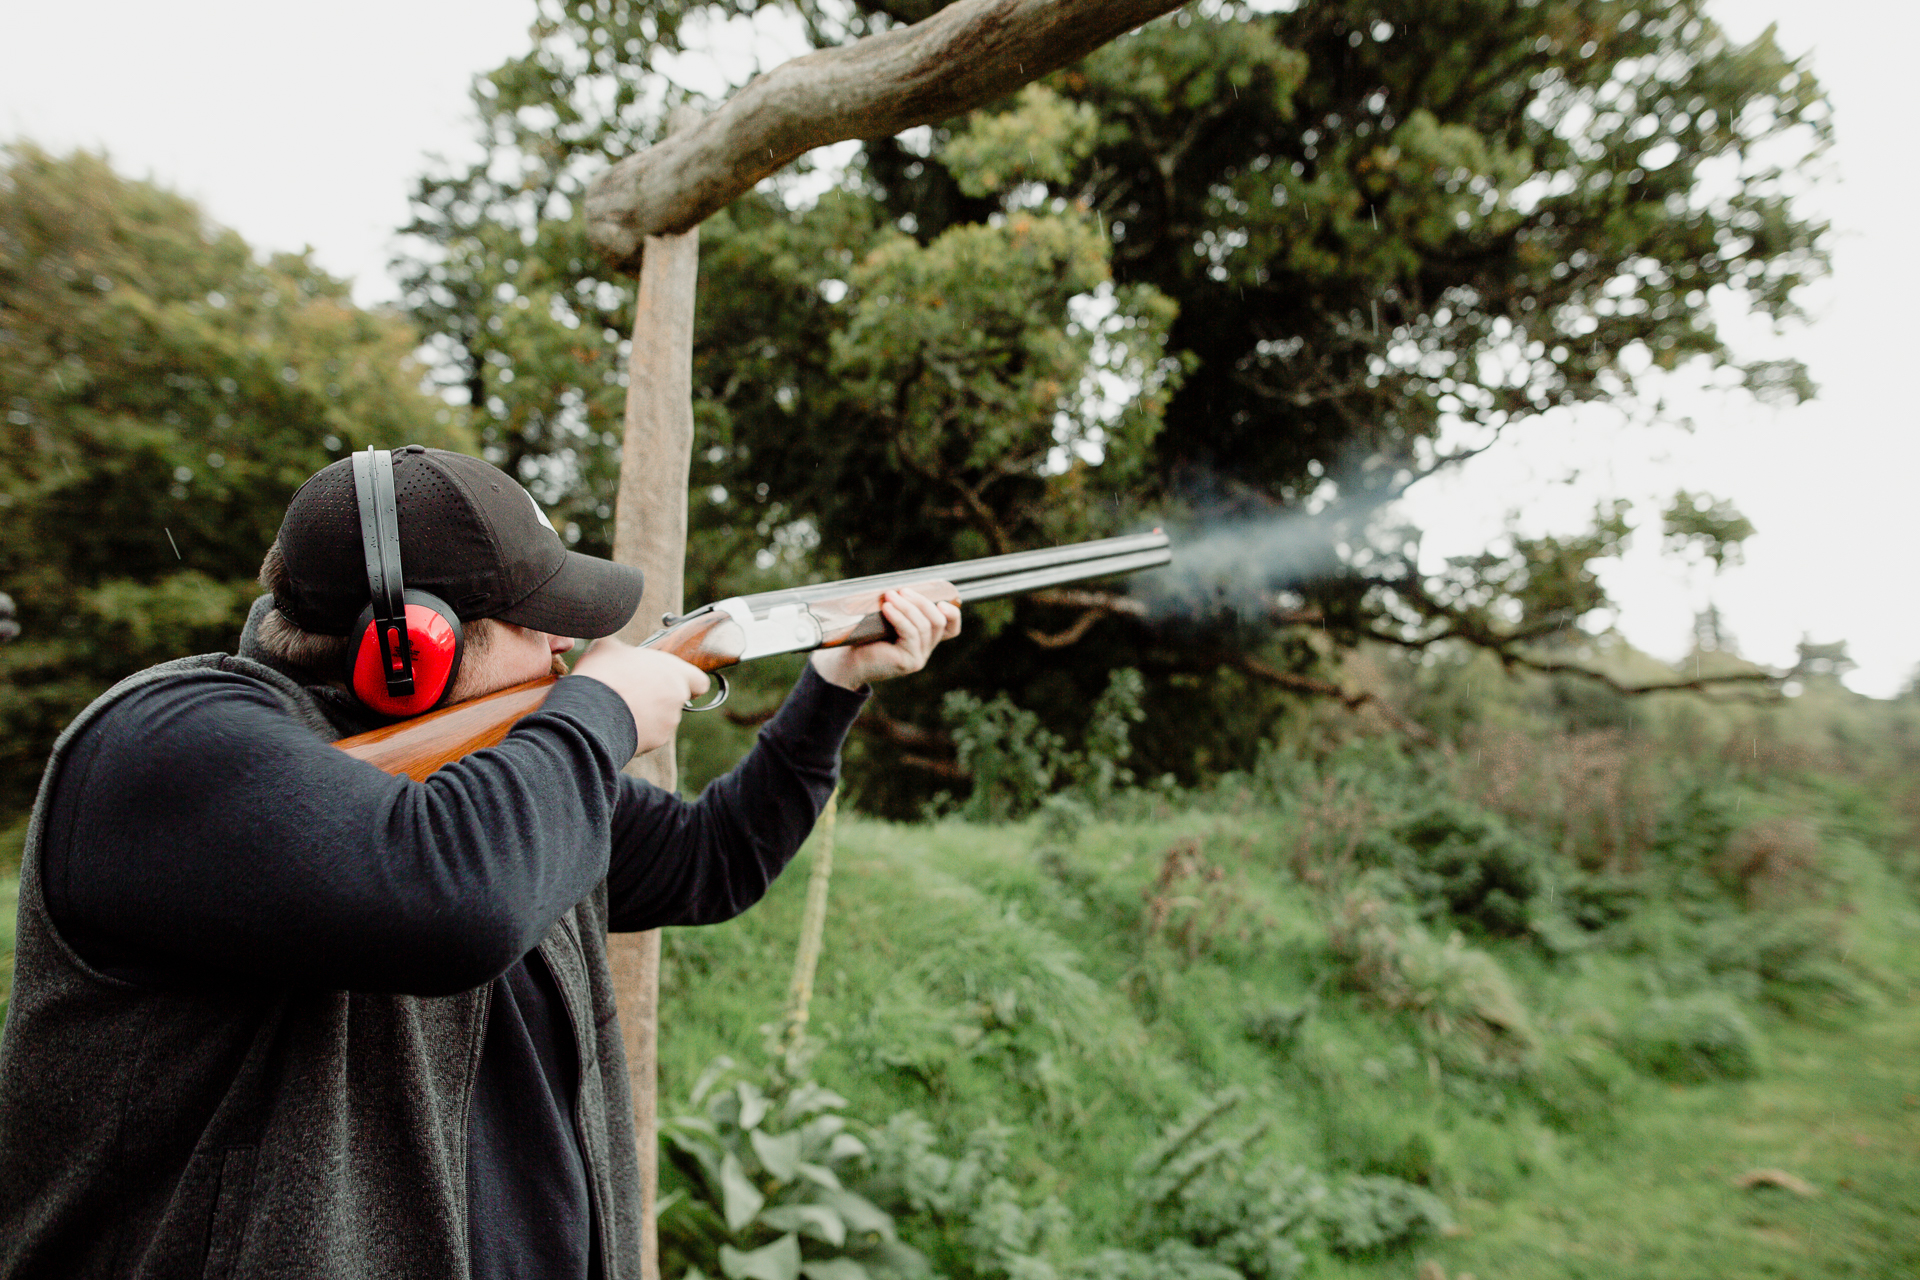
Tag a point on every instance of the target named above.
point(540, 515)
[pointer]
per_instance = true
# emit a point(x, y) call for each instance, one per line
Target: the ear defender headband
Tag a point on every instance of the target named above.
point(406, 645)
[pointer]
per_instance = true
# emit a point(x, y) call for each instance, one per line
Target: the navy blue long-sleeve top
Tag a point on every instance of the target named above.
point(199, 834)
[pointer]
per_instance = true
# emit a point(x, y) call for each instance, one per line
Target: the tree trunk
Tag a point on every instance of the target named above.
point(969, 53)
point(650, 530)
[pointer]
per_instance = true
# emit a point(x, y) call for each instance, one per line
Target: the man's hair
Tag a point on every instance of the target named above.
point(327, 655)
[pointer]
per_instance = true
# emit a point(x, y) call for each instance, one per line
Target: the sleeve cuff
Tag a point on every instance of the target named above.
point(815, 718)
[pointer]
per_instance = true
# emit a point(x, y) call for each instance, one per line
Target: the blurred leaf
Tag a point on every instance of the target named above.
point(780, 1154)
point(834, 1269)
point(1710, 527)
point(818, 1174)
point(861, 1215)
point(753, 1105)
point(815, 1220)
point(742, 1200)
point(777, 1261)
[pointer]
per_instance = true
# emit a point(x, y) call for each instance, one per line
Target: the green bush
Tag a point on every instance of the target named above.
point(1693, 835)
point(1015, 763)
point(763, 1193)
point(1277, 1026)
point(1169, 1260)
point(1456, 991)
point(1012, 760)
point(1253, 1221)
point(1370, 1215)
point(1262, 1220)
point(1693, 1039)
point(1788, 960)
point(1465, 862)
point(1578, 1085)
point(963, 1207)
point(1598, 900)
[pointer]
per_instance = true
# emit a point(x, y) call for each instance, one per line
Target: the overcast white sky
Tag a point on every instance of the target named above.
point(307, 125)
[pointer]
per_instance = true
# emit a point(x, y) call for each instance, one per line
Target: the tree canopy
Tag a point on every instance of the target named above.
point(165, 392)
point(1243, 269)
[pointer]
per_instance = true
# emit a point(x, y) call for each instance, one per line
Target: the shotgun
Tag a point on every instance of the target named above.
point(742, 628)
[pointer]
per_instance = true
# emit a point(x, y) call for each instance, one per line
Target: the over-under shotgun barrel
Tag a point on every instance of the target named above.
point(1149, 549)
point(844, 612)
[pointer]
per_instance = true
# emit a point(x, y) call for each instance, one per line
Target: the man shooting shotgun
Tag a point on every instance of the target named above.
point(277, 1012)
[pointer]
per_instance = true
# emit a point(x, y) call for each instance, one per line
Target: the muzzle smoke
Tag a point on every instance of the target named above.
point(1243, 567)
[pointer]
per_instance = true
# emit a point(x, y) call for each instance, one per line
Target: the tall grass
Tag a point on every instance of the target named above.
point(1470, 972)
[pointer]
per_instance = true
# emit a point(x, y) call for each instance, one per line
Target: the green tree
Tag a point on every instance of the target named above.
point(1386, 225)
point(1711, 528)
point(164, 394)
point(1239, 266)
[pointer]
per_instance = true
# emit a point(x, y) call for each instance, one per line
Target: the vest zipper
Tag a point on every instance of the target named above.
point(601, 1230)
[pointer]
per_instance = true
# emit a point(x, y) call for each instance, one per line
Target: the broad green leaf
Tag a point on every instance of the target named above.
point(754, 1105)
point(816, 1220)
point(777, 1261)
point(863, 1216)
point(818, 1174)
point(780, 1153)
point(834, 1269)
point(808, 1098)
point(742, 1200)
point(676, 1125)
point(820, 1128)
point(846, 1147)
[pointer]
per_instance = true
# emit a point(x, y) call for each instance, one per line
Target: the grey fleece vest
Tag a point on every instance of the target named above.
point(266, 1134)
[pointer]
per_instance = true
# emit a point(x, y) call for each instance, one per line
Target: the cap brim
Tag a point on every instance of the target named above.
point(586, 597)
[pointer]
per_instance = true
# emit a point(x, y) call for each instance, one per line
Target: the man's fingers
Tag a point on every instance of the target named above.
point(907, 611)
point(934, 613)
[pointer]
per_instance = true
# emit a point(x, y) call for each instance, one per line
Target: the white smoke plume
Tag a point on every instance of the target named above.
point(1245, 567)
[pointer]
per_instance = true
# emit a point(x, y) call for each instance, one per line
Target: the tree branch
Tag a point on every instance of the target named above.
point(971, 52)
point(1072, 635)
point(1699, 684)
point(1352, 701)
point(1505, 650)
point(1079, 598)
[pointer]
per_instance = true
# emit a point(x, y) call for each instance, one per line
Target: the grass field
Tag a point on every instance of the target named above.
point(1840, 1110)
point(974, 974)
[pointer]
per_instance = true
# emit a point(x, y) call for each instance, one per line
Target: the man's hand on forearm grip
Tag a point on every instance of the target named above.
point(920, 625)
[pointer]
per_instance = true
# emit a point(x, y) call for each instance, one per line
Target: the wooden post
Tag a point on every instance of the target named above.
point(650, 530)
point(806, 957)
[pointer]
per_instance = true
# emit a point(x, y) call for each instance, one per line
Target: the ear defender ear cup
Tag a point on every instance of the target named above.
point(433, 640)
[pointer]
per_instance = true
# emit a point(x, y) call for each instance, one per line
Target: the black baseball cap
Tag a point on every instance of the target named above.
point(469, 533)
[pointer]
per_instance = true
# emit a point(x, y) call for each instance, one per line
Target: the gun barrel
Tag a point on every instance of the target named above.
point(1048, 566)
point(1055, 575)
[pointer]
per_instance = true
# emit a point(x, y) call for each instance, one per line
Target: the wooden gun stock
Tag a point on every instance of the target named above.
point(743, 628)
point(418, 746)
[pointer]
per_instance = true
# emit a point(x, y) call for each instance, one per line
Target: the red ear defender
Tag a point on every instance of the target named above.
point(432, 640)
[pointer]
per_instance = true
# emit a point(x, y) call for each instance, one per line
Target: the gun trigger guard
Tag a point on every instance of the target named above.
point(709, 706)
